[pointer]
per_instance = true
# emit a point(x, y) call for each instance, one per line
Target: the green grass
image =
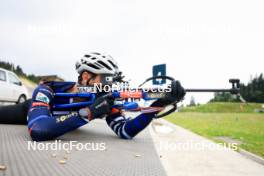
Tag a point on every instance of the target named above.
point(224, 108)
point(246, 127)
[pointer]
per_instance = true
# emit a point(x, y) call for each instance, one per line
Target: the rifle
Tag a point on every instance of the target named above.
point(122, 97)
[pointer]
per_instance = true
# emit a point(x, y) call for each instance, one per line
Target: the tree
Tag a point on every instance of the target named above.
point(254, 90)
point(251, 92)
point(18, 70)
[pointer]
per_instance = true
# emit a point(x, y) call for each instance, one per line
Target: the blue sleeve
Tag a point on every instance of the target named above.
point(128, 128)
point(42, 124)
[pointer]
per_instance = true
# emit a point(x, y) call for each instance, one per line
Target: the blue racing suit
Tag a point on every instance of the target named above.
point(46, 123)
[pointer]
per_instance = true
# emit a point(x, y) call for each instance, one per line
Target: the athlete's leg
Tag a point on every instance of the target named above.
point(128, 128)
point(14, 114)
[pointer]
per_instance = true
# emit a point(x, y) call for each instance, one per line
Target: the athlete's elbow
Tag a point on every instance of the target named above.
point(41, 135)
point(41, 130)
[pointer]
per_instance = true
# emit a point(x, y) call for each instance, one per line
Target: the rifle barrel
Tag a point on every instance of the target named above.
point(211, 90)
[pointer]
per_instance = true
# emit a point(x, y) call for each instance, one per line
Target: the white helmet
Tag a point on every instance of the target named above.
point(97, 63)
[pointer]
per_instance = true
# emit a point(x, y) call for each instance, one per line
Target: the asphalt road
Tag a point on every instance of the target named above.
point(120, 157)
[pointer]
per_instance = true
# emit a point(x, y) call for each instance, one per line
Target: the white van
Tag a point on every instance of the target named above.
point(11, 88)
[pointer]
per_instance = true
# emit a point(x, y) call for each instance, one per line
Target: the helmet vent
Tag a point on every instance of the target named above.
point(112, 64)
point(93, 66)
point(105, 65)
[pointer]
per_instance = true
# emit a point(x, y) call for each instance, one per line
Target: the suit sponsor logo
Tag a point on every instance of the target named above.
point(65, 117)
point(42, 97)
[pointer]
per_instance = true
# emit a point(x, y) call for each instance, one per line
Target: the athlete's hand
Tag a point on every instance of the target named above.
point(175, 95)
point(101, 107)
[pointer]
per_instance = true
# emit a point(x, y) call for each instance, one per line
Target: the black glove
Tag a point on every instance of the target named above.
point(102, 106)
point(175, 95)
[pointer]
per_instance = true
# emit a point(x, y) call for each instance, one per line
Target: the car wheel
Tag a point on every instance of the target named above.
point(21, 99)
